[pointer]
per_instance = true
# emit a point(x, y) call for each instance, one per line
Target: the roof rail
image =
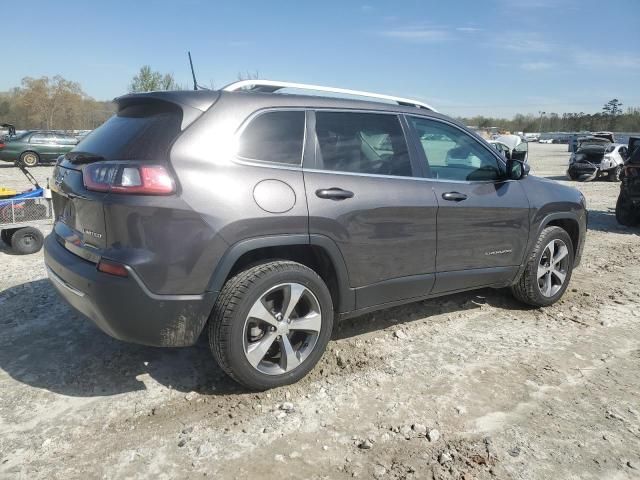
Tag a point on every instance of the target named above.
point(272, 86)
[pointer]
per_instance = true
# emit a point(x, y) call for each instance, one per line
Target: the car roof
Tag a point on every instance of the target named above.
point(203, 99)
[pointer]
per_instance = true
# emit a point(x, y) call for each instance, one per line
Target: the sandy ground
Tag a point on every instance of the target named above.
point(469, 386)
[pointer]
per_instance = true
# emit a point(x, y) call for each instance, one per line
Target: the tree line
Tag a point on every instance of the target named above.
point(59, 104)
point(52, 103)
point(612, 117)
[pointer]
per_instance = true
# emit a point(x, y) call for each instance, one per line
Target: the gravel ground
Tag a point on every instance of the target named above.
point(468, 386)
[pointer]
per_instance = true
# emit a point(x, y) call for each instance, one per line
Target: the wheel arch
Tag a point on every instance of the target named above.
point(570, 222)
point(569, 225)
point(29, 151)
point(317, 252)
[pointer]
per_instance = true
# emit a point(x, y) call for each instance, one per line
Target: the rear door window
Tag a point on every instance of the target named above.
point(137, 132)
point(276, 136)
point(370, 143)
point(42, 138)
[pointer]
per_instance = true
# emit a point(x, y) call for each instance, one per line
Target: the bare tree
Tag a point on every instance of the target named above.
point(255, 75)
point(148, 80)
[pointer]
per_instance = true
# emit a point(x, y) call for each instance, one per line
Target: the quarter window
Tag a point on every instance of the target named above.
point(453, 154)
point(274, 137)
point(369, 143)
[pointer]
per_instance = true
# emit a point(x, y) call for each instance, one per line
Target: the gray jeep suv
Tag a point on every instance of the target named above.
point(262, 217)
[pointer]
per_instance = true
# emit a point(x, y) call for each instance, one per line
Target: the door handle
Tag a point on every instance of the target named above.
point(334, 193)
point(454, 196)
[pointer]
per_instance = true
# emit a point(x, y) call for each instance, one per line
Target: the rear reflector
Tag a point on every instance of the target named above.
point(112, 268)
point(127, 178)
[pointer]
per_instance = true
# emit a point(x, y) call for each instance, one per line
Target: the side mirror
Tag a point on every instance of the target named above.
point(517, 169)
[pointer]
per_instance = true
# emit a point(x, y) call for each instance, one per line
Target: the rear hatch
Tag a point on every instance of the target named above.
point(591, 150)
point(98, 170)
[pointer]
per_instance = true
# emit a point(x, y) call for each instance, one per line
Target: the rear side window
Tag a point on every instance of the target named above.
point(137, 132)
point(41, 138)
point(274, 137)
point(369, 143)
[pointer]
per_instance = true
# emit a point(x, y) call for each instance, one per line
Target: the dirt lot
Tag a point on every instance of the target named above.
point(469, 386)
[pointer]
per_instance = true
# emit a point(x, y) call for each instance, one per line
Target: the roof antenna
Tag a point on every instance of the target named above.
point(193, 73)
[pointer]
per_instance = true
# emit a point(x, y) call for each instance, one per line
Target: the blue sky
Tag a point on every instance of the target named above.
point(492, 57)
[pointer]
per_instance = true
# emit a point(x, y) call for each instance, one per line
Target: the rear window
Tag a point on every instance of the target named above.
point(137, 132)
point(274, 137)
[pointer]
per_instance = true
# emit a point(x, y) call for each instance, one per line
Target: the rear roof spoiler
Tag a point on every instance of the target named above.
point(192, 103)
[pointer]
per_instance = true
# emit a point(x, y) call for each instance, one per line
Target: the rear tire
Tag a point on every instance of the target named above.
point(27, 240)
point(249, 325)
point(30, 159)
point(624, 212)
point(552, 256)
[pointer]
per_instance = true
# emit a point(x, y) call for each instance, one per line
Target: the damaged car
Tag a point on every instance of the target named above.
point(597, 156)
point(512, 147)
point(628, 204)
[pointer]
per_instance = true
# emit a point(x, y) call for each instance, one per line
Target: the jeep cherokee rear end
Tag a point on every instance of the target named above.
point(126, 249)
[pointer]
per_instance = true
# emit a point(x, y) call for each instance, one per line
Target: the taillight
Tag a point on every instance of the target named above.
point(112, 268)
point(126, 178)
point(2, 145)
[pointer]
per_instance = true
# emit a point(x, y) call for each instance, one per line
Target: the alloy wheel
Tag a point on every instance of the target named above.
point(553, 267)
point(282, 328)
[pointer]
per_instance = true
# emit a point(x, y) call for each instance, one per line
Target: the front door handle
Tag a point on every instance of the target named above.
point(334, 193)
point(454, 196)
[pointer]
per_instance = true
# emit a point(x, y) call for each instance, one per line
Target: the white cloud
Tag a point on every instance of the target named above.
point(418, 34)
point(523, 43)
point(536, 66)
point(469, 29)
point(607, 60)
point(535, 4)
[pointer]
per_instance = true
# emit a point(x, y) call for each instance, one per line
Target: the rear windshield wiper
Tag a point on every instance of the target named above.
point(83, 157)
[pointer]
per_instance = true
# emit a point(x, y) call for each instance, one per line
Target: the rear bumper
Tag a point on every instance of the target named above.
point(123, 307)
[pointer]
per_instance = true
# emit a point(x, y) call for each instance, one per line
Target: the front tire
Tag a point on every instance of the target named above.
point(548, 269)
point(30, 159)
point(271, 324)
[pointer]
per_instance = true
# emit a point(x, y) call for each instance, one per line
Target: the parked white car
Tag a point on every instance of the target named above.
point(546, 140)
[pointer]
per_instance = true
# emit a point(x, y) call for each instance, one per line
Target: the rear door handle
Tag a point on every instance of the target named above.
point(334, 193)
point(454, 196)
